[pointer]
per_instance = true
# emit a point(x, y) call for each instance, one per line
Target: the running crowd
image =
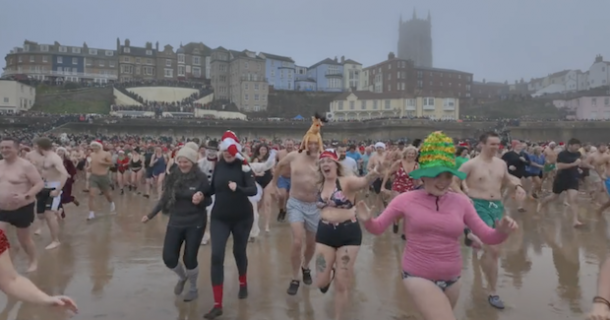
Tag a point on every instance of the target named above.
point(436, 191)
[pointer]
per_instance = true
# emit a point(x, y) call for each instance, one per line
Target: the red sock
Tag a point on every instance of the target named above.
point(242, 281)
point(217, 295)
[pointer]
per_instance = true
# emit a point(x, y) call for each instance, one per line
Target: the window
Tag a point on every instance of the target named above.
point(32, 59)
point(181, 58)
point(196, 72)
point(20, 59)
point(245, 86)
point(101, 63)
point(44, 48)
point(75, 50)
point(59, 59)
point(126, 50)
point(148, 71)
point(256, 97)
point(256, 88)
point(181, 71)
point(26, 47)
point(109, 53)
point(125, 59)
point(363, 105)
point(63, 49)
point(246, 65)
point(45, 59)
point(74, 60)
point(340, 105)
point(352, 105)
point(111, 64)
point(375, 104)
point(5, 100)
point(169, 73)
point(74, 71)
point(88, 62)
point(246, 97)
point(388, 104)
point(168, 62)
point(149, 52)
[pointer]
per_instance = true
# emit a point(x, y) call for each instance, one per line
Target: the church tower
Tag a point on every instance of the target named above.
point(415, 40)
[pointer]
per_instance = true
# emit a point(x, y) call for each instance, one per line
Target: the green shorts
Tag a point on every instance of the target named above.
point(489, 211)
point(549, 167)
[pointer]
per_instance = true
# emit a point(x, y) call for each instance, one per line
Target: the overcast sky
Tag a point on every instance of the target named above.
point(495, 40)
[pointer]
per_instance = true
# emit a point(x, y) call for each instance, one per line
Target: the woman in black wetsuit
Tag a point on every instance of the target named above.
point(136, 164)
point(232, 214)
point(183, 197)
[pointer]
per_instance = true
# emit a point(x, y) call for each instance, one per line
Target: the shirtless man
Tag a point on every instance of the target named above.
point(101, 161)
point(54, 174)
point(381, 160)
point(603, 166)
point(283, 179)
point(302, 210)
point(550, 156)
point(486, 174)
point(595, 160)
point(19, 184)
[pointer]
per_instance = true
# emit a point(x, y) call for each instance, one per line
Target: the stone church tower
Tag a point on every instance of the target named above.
point(415, 40)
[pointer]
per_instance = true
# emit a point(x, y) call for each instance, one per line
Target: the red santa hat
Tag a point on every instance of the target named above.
point(96, 143)
point(230, 143)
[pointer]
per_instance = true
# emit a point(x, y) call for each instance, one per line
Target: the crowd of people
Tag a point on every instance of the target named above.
point(433, 192)
point(184, 105)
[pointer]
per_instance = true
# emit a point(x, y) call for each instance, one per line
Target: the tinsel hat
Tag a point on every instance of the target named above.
point(437, 155)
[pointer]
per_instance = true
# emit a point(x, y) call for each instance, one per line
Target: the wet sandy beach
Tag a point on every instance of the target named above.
point(112, 267)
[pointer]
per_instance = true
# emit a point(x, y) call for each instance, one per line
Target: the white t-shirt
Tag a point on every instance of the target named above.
point(350, 166)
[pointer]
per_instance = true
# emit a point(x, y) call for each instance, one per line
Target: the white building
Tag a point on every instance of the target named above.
point(16, 97)
point(599, 73)
point(352, 74)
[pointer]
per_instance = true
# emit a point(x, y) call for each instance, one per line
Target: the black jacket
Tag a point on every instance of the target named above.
point(232, 205)
point(183, 213)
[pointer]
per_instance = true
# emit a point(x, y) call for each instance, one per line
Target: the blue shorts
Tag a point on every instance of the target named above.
point(283, 183)
point(607, 183)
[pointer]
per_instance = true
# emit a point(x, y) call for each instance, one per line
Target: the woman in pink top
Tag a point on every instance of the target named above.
point(433, 221)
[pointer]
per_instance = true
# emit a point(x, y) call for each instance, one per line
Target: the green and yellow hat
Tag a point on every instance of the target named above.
point(437, 155)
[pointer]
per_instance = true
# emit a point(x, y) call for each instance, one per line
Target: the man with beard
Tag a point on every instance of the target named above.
point(19, 184)
point(350, 166)
point(207, 164)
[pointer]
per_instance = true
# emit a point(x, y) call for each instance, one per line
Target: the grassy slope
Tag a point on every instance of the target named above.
point(81, 100)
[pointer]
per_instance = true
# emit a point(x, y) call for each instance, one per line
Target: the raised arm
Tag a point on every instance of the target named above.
point(395, 209)
point(355, 183)
point(282, 164)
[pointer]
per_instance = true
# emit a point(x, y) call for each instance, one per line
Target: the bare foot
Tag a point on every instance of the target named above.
point(52, 245)
point(32, 267)
point(577, 224)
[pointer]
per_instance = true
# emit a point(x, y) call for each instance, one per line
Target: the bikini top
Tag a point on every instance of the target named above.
point(337, 199)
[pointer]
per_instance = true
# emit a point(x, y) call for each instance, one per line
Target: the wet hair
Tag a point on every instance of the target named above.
point(485, 136)
point(459, 151)
point(175, 181)
point(256, 154)
point(12, 139)
point(44, 143)
point(574, 141)
point(340, 173)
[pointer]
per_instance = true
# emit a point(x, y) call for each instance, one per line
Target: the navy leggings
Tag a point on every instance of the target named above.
point(174, 238)
point(219, 234)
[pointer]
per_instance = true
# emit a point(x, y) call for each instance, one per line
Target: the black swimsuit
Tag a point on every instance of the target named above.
point(135, 166)
point(337, 235)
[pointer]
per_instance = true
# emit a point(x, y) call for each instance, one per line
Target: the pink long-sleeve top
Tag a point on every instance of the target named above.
point(433, 226)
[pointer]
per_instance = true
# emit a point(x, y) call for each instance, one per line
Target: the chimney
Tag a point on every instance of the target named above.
point(391, 56)
point(157, 46)
point(118, 43)
point(336, 60)
point(127, 42)
point(342, 59)
point(599, 58)
point(483, 80)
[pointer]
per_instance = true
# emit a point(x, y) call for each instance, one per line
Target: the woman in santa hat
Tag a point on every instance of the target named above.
point(232, 183)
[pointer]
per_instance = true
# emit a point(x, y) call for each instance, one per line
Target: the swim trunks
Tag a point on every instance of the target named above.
point(549, 167)
point(283, 183)
point(101, 183)
point(20, 218)
point(607, 183)
point(44, 201)
point(307, 213)
point(489, 210)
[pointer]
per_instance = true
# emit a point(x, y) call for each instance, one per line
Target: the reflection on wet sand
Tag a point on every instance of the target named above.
point(112, 266)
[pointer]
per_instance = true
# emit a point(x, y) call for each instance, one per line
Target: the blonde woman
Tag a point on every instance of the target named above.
point(402, 181)
point(339, 236)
